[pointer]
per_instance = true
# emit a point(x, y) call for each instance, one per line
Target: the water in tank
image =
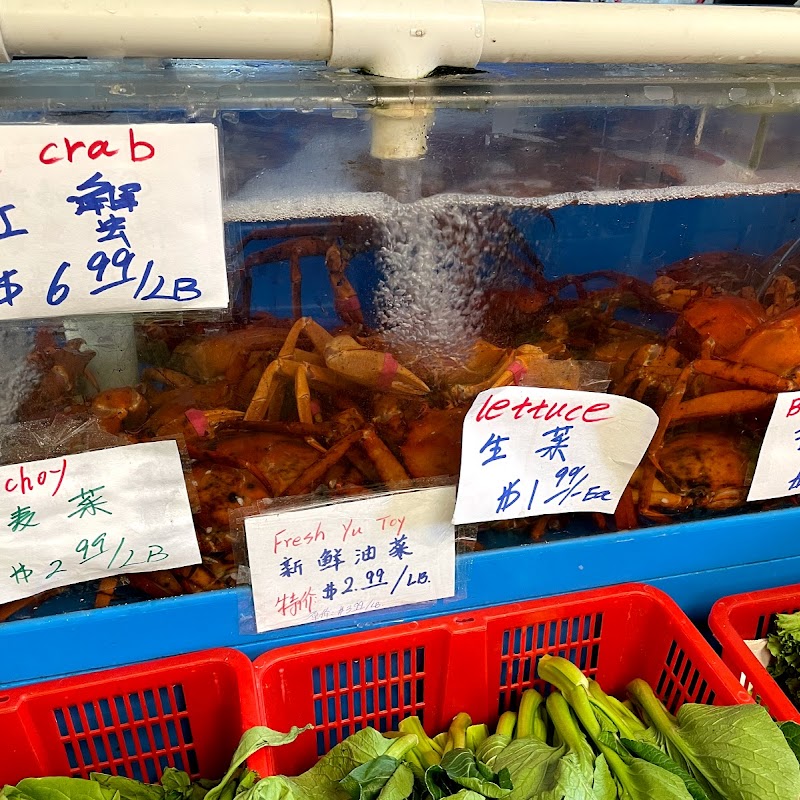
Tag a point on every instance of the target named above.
point(615, 230)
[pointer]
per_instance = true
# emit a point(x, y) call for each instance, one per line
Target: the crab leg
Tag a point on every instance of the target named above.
point(345, 299)
point(389, 468)
point(744, 375)
point(313, 474)
point(371, 368)
point(737, 401)
point(650, 464)
point(303, 396)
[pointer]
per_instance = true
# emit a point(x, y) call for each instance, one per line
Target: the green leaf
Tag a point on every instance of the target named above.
point(464, 794)
point(251, 742)
point(646, 781)
point(366, 781)
point(791, 732)
point(278, 788)
point(400, 785)
point(491, 748)
point(462, 768)
point(603, 785)
point(323, 779)
point(64, 789)
point(177, 784)
point(739, 750)
point(572, 779)
point(437, 783)
point(661, 759)
point(128, 789)
point(532, 765)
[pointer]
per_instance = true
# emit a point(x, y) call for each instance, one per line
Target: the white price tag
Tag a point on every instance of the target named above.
point(351, 557)
point(528, 452)
point(92, 515)
point(778, 468)
point(110, 218)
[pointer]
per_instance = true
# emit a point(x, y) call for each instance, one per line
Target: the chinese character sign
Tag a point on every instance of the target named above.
point(777, 471)
point(351, 557)
point(529, 451)
point(110, 218)
point(91, 515)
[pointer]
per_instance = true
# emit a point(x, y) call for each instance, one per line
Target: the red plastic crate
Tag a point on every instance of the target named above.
point(480, 663)
point(748, 616)
point(187, 712)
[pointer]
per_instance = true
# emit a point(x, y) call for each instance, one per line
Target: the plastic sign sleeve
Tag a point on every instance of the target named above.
point(92, 515)
point(529, 451)
point(351, 557)
point(110, 218)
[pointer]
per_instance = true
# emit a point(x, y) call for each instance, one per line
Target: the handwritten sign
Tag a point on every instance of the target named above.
point(351, 557)
point(110, 218)
point(778, 468)
point(92, 515)
point(528, 452)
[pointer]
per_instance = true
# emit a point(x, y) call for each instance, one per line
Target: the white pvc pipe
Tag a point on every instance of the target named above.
point(243, 29)
point(513, 31)
point(550, 32)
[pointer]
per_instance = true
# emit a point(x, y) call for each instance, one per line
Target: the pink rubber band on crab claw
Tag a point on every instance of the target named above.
point(518, 371)
point(348, 303)
point(197, 419)
point(388, 371)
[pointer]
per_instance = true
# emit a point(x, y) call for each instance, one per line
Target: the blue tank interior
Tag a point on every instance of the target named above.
point(633, 238)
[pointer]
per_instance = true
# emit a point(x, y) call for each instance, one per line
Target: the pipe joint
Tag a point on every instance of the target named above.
point(406, 38)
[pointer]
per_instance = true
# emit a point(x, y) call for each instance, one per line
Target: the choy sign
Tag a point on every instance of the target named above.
point(109, 218)
point(92, 515)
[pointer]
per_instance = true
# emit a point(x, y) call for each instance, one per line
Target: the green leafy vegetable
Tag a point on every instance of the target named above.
point(59, 789)
point(738, 751)
point(603, 781)
point(784, 644)
point(253, 741)
point(791, 732)
point(366, 782)
point(460, 768)
point(427, 750)
point(638, 779)
point(530, 719)
point(577, 771)
point(128, 788)
point(487, 753)
point(531, 765)
point(476, 736)
point(658, 757)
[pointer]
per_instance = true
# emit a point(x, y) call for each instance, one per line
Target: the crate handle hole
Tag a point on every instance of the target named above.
point(464, 620)
point(5, 698)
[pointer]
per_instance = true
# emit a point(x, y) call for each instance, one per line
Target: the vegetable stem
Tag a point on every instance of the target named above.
point(476, 736)
point(458, 731)
point(428, 755)
point(564, 722)
point(507, 723)
point(526, 716)
point(399, 747)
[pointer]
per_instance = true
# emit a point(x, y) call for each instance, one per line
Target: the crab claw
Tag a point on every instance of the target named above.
point(371, 368)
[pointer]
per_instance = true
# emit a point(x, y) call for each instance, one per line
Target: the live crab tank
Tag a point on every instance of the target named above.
point(629, 231)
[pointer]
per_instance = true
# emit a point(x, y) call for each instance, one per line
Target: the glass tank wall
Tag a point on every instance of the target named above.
point(625, 231)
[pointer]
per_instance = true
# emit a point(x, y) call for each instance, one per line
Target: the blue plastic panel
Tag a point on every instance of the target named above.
point(696, 563)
